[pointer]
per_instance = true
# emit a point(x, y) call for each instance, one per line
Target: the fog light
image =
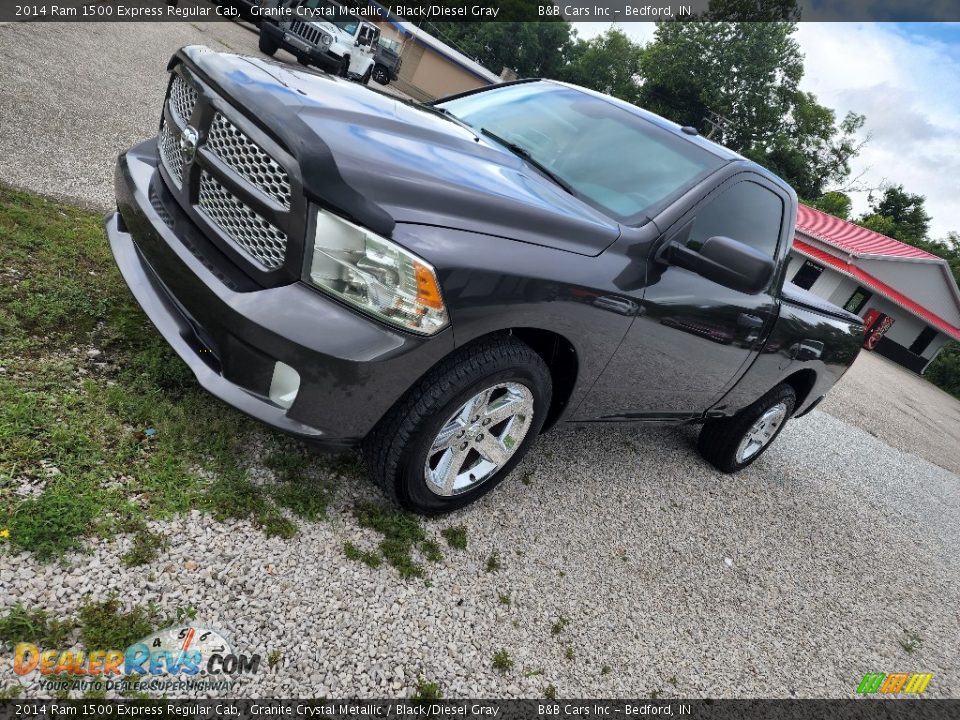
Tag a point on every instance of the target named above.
point(284, 385)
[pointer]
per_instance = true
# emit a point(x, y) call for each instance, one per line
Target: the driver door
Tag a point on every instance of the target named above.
point(693, 337)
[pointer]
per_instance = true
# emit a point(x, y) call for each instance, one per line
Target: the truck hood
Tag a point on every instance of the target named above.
point(382, 161)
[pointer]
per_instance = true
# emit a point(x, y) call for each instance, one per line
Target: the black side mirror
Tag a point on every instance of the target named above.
point(725, 261)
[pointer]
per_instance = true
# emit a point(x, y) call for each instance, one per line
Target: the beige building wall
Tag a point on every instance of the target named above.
point(426, 74)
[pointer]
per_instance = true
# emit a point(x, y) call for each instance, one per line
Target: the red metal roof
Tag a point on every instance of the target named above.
point(853, 238)
point(868, 280)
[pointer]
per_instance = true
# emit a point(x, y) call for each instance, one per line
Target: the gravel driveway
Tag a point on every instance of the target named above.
point(793, 578)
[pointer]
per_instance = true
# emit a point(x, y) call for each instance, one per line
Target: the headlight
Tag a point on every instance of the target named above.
point(375, 275)
point(325, 39)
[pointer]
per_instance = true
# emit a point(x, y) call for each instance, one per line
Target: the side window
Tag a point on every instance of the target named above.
point(746, 212)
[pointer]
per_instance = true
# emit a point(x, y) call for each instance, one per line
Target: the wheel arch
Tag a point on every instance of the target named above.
point(561, 359)
point(802, 382)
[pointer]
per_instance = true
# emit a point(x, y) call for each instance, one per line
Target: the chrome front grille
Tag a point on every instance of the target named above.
point(183, 98)
point(261, 240)
point(307, 31)
point(170, 152)
point(248, 159)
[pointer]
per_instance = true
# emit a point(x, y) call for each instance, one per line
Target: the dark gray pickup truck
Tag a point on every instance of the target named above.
point(439, 284)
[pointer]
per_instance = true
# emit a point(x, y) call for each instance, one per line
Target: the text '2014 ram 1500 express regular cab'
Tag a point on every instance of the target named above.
point(440, 284)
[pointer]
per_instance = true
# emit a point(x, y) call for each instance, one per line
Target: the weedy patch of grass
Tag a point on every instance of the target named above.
point(97, 407)
point(559, 625)
point(527, 477)
point(605, 670)
point(673, 680)
point(402, 535)
point(456, 536)
point(568, 652)
point(427, 691)
point(493, 562)
point(533, 672)
point(550, 692)
point(911, 641)
point(274, 658)
point(105, 625)
point(33, 626)
point(367, 557)
point(502, 661)
point(504, 599)
point(12, 692)
point(146, 547)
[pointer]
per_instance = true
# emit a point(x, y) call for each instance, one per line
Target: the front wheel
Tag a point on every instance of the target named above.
point(461, 430)
point(343, 68)
point(365, 80)
point(730, 444)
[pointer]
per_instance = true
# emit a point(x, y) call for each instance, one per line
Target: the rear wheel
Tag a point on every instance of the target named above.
point(461, 430)
point(267, 46)
point(730, 444)
point(381, 75)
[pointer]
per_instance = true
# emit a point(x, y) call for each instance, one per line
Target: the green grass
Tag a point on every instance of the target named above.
point(455, 536)
point(911, 641)
point(402, 536)
point(493, 562)
point(502, 661)
point(146, 547)
point(104, 625)
point(427, 691)
point(504, 599)
point(367, 557)
point(559, 625)
point(77, 422)
point(33, 626)
point(550, 692)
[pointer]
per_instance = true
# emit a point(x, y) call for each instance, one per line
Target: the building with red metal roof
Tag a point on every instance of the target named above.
point(903, 291)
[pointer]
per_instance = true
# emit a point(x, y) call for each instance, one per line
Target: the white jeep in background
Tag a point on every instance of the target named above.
point(344, 45)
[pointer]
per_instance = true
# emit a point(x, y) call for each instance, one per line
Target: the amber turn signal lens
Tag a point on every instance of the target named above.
point(428, 292)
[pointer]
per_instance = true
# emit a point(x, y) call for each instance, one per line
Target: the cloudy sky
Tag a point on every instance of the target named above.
point(905, 77)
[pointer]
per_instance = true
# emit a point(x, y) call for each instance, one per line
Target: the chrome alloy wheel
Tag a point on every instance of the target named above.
point(479, 439)
point(761, 432)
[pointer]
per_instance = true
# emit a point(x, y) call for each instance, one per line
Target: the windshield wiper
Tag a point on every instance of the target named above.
point(444, 113)
point(522, 152)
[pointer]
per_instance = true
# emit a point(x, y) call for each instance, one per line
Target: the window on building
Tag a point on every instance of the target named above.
point(857, 300)
point(807, 275)
point(923, 340)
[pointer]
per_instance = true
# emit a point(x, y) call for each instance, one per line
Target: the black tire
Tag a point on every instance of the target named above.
point(267, 46)
point(381, 75)
point(343, 70)
point(720, 438)
point(303, 60)
point(396, 452)
point(365, 80)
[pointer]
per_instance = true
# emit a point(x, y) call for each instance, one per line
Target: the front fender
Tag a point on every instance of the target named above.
point(492, 284)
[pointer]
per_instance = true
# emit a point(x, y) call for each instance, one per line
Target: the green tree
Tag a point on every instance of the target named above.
point(532, 49)
point(608, 63)
point(833, 203)
point(898, 214)
point(945, 370)
point(739, 83)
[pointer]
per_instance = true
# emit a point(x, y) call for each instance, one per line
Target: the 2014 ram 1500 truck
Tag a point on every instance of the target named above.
point(439, 284)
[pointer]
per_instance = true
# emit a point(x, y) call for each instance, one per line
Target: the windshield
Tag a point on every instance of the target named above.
point(615, 160)
point(348, 26)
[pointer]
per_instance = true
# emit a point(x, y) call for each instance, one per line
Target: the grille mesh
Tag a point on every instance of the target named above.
point(308, 32)
point(171, 154)
point(248, 159)
point(183, 98)
point(246, 228)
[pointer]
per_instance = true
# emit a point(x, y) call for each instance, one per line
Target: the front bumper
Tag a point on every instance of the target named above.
point(231, 333)
point(323, 59)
